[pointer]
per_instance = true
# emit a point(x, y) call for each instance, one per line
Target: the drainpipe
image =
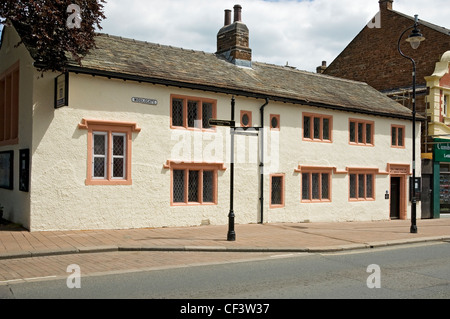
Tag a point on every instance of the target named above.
point(261, 164)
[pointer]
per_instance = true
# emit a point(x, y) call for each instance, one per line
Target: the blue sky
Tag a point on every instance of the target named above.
point(301, 33)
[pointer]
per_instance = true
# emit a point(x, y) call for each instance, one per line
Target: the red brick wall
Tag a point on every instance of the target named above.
point(372, 57)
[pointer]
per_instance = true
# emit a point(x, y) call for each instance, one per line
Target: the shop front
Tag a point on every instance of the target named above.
point(441, 202)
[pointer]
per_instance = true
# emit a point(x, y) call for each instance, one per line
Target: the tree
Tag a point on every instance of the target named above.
point(54, 31)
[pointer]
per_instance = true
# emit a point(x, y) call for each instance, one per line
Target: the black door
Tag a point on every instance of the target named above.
point(395, 197)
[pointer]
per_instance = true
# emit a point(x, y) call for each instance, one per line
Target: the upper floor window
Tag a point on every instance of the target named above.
point(317, 127)
point(9, 106)
point(398, 136)
point(361, 132)
point(191, 112)
point(275, 122)
point(445, 108)
point(246, 119)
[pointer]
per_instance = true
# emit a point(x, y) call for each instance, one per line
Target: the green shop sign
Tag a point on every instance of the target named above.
point(442, 150)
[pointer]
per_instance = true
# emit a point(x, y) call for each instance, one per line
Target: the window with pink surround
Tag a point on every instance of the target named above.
point(277, 190)
point(361, 132)
point(398, 136)
point(109, 151)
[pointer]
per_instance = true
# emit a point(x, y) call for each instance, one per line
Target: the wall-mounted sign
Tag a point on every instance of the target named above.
point(441, 150)
point(142, 100)
point(62, 90)
point(24, 170)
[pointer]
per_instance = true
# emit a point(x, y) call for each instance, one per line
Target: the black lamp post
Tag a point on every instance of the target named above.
point(415, 38)
point(231, 236)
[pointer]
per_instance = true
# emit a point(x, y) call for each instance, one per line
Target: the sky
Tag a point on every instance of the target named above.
point(301, 33)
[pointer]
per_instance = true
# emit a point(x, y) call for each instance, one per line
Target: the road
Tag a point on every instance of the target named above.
point(417, 271)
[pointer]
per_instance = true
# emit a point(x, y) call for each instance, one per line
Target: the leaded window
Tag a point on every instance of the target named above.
point(316, 186)
point(99, 154)
point(192, 113)
point(193, 186)
point(277, 190)
point(361, 132)
point(317, 127)
point(361, 186)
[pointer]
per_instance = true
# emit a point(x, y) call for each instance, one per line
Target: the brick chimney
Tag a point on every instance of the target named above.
point(386, 4)
point(322, 68)
point(233, 39)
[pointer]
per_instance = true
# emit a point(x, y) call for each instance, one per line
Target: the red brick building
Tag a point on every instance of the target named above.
point(373, 57)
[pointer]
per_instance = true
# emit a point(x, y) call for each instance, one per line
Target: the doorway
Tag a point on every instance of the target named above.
point(395, 197)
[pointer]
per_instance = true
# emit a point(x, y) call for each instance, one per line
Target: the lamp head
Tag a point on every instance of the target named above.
point(415, 38)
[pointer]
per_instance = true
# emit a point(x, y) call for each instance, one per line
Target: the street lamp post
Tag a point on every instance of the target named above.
point(231, 236)
point(415, 38)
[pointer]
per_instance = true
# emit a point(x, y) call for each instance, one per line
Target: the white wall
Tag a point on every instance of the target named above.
point(61, 200)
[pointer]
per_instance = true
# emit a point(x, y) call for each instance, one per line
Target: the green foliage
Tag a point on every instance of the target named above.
point(42, 25)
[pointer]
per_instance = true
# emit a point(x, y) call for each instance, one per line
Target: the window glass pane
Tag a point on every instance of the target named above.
point(400, 137)
point(361, 185)
point(208, 186)
point(178, 186)
point(207, 113)
point(394, 136)
point(360, 133)
point(368, 133)
point(274, 122)
point(352, 132)
point(277, 186)
point(192, 114)
point(325, 186)
point(193, 186)
point(369, 186)
point(99, 144)
point(177, 112)
point(245, 121)
point(352, 186)
point(118, 167)
point(99, 167)
point(305, 186)
point(315, 186)
point(316, 127)
point(119, 145)
point(307, 127)
point(326, 129)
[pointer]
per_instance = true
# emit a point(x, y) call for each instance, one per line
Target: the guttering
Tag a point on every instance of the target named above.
point(261, 164)
point(225, 90)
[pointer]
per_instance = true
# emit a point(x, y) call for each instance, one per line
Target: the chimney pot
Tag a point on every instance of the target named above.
point(227, 17)
point(324, 63)
point(237, 13)
point(386, 4)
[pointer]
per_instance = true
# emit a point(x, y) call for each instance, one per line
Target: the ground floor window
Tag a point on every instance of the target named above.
point(316, 186)
point(277, 190)
point(362, 186)
point(194, 185)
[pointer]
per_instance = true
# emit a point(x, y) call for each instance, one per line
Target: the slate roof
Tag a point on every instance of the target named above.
point(154, 63)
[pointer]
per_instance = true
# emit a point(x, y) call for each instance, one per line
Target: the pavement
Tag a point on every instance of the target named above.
point(15, 242)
